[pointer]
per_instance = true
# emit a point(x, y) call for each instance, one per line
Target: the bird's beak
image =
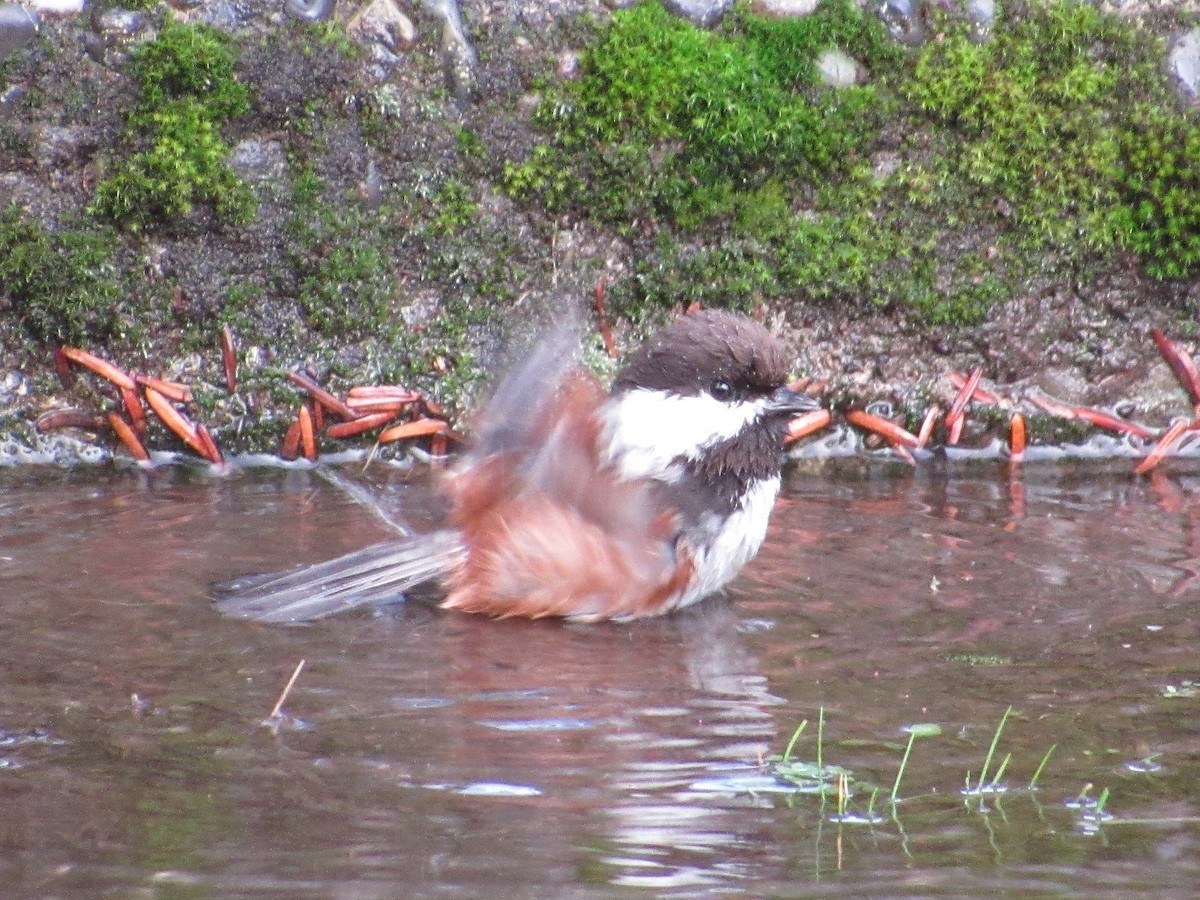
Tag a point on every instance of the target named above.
point(787, 402)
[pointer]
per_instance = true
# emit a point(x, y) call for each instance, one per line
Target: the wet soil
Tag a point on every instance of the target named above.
point(429, 754)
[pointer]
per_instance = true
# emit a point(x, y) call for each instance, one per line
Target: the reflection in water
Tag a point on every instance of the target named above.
point(442, 753)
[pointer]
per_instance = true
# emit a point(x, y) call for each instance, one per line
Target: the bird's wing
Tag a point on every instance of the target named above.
point(552, 530)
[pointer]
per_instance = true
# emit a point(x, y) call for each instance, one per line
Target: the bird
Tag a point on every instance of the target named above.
point(585, 504)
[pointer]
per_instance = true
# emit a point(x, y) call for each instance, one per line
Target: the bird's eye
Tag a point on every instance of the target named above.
point(721, 390)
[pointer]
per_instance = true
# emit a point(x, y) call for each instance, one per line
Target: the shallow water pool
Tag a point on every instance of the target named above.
point(425, 754)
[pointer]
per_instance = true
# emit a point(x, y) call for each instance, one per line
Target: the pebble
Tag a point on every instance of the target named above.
point(383, 29)
point(837, 69)
point(459, 61)
point(568, 65)
point(902, 18)
point(371, 188)
point(17, 28)
point(259, 160)
point(310, 10)
point(982, 15)
point(701, 13)
point(56, 7)
point(224, 15)
point(1184, 61)
point(117, 23)
point(784, 9)
point(13, 385)
point(110, 33)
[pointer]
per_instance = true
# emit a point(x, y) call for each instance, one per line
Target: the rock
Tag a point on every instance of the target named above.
point(226, 15)
point(310, 10)
point(385, 31)
point(982, 15)
point(110, 34)
point(60, 145)
point(117, 24)
point(371, 188)
point(902, 18)
point(837, 69)
point(701, 13)
point(258, 160)
point(1184, 61)
point(56, 7)
point(12, 386)
point(459, 61)
point(17, 28)
point(568, 65)
point(784, 9)
point(884, 165)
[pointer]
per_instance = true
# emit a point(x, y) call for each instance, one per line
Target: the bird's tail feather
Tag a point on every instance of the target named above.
point(373, 576)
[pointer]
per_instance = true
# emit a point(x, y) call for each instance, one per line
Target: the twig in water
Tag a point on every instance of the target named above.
point(287, 689)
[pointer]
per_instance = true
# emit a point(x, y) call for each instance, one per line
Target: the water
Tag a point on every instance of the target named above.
point(425, 754)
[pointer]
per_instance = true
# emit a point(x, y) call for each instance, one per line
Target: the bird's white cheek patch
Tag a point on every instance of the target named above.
point(647, 431)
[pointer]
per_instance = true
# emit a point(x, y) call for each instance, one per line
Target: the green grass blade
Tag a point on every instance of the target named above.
point(787, 753)
point(1041, 766)
point(987, 762)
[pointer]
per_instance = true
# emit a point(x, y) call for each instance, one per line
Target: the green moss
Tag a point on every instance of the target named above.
point(1159, 215)
point(187, 90)
point(345, 291)
point(1068, 119)
point(787, 47)
point(1034, 107)
point(185, 164)
point(671, 121)
point(453, 207)
point(187, 61)
point(62, 286)
point(331, 35)
point(1053, 144)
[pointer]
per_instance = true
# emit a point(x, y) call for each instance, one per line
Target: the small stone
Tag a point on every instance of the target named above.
point(784, 9)
point(701, 13)
point(982, 15)
point(459, 61)
point(1184, 60)
point(371, 188)
point(257, 160)
point(224, 15)
point(568, 65)
point(12, 386)
point(57, 145)
point(902, 18)
point(17, 28)
point(837, 69)
point(56, 7)
point(117, 23)
point(310, 10)
point(384, 29)
point(884, 165)
point(111, 33)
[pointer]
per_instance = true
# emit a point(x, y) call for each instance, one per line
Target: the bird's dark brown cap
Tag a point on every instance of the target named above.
point(705, 347)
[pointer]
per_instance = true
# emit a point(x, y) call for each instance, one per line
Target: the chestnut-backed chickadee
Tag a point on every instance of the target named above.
point(582, 504)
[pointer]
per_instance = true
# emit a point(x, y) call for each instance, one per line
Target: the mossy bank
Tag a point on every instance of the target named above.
point(383, 206)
